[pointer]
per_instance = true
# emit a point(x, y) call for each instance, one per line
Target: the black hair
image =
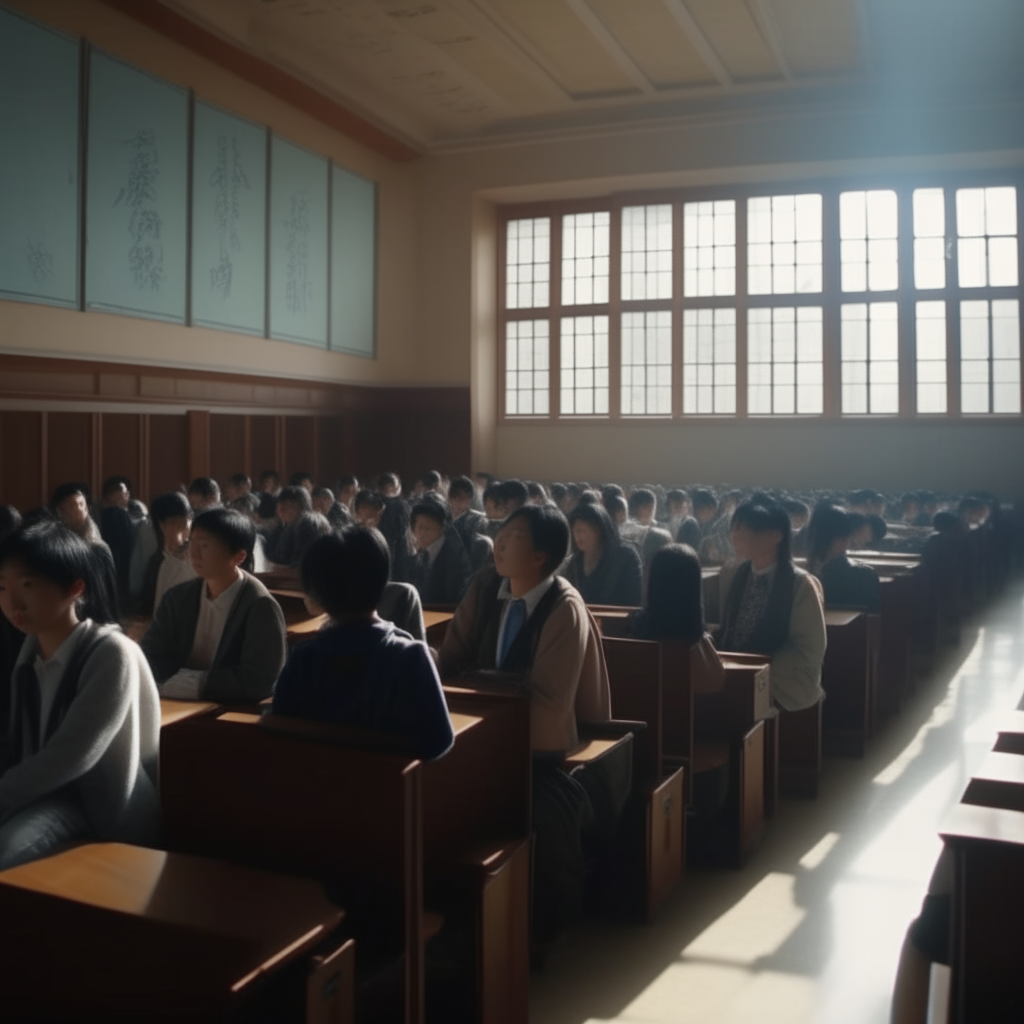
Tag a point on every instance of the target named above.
point(674, 609)
point(549, 532)
point(297, 496)
point(240, 480)
point(113, 483)
point(267, 508)
point(857, 521)
point(461, 486)
point(323, 492)
point(879, 528)
point(558, 491)
point(267, 474)
point(235, 531)
point(596, 515)
point(828, 524)
point(346, 572)
point(10, 520)
point(513, 492)
point(205, 486)
point(431, 479)
point(641, 498)
point(610, 490)
point(389, 480)
point(947, 522)
point(588, 497)
point(616, 503)
point(676, 494)
point(168, 506)
point(59, 555)
point(535, 490)
point(371, 499)
point(67, 490)
point(575, 489)
point(703, 498)
point(761, 513)
point(299, 476)
point(795, 507)
point(346, 481)
point(433, 506)
point(489, 477)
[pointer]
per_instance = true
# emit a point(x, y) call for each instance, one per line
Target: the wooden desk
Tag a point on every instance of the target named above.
point(436, 625)
point(173, 711)
point(108, 931)
point(846, 678)
point(998, 782)
point(1010, 733)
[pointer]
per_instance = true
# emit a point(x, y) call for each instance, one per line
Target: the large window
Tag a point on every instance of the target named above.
point(883, 299)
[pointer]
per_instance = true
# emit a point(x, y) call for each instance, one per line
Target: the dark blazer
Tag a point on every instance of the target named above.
point(118, 531)
point(251, 651)
point(618, 578)
point(401, 605)
point(448, 577)
point(469, 525)
point(480, 550)
point(850, 584)
point(286, 545)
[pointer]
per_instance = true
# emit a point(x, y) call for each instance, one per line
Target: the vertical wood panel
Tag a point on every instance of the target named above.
point(333, 463)
point(168, 454)
point(263, 445)
point(69, 449)
point(21, 459)
point(198, 421)
point(300, 445)
point(121, 449)
point(227, 447)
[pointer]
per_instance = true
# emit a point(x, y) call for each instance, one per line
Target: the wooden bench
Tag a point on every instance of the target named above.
point(1010, 733)
point(106, 931)
point(174, 711)
point(846, 679)
point(339, 805)
point(998, 782)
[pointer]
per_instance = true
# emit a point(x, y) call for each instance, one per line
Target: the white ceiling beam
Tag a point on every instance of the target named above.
point(686, 21)
point(765, 18)
point(611, 46)
point(513, 45)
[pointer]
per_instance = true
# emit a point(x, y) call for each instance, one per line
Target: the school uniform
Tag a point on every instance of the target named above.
point(778, 612)
point(230, 648)
point(338, 516)
point(81, 753)
point(440, 572)
point(689, 532)
point(647, 540)
point(118, 533)
point(368, 675)
point(471, 524)
point(850, 584)
point(618, 578)
point(394, 524)
point(401, 605)
point(248, 504)
point(165, 570)
point(285, 545)
point(480, 551)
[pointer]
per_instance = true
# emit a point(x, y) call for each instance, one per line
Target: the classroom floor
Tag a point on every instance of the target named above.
point(810, 930)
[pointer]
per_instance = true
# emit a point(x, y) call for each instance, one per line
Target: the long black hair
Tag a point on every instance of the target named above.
point(761, 513)
point(597, 517)
point(828, 524)
point(172, 505)
point(59, 555)
point(674, 609)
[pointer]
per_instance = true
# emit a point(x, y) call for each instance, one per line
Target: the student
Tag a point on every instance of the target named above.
point(304, 480)
point(617, 507)
point(642, 530)
point(674, 610)
point(610, 491)
point(117, 529)
point(298, 526)
point(439, 568)
point(203, 493)
point(239, 495)
point(559, 493)
point(70, 502)
point(466, 519)
point(369, 507)
point(847, 584)
point(602, 568)
point(520, 618)
point(333, 511)
point(361, 671)
point(345, 490)
point(220, 637)
point(679, 509)
point(432, 483)
point(10, 520)
point(394, 520)
point(270, 482)
point(171, 518)
point(771, 607)
point(80, 761)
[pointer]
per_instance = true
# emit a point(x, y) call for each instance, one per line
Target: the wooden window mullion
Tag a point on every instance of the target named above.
point(555, 330)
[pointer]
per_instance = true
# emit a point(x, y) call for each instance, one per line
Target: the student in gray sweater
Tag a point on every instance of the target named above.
point(79, 760)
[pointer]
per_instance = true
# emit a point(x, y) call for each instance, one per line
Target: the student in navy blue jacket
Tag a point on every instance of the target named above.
point(361, 671)
point(439, 568)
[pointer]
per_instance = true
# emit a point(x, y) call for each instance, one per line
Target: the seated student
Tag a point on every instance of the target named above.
point(470, 524)
point(239, 495)
point(609, 491)
point(117, 529)
point(536, 493)
point(203, 493)
point(298, 526)
point(70, 503)
point(674, 610)
point(771, 607)
point(80, 757)
point(493, 510)
point(642, 530)
point(705, 512)
point(439, 568)
point(679, 507)
point(394, 520)
point(171, 517)
point(360, 670)
point(345, 491)
point(559, 493)
point(368, 507)
point(270, 482)
point(618, 508)
point(432, 482)
point(716, 546)
point(220, 637)
point(602, 568)
point(847, 584)
point(302, 479)
point(333, 511)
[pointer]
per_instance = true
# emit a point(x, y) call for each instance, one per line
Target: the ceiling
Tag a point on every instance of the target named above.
point(442, 71)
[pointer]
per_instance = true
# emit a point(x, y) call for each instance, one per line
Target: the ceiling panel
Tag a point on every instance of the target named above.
point(733, 32)
point(654, 41)
point(819, 37)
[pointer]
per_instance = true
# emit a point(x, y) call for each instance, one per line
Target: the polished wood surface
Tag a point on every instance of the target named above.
point(172, 711)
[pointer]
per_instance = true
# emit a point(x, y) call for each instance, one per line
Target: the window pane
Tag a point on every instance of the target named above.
point(784, 354)
point(527, 263)
point(870, 358)
point(585, 241)
point(868, 229)
point(584, 366)
point(647, 252)
point(526, 368)
point(647, 364)
point(709, 248)
point(709, 362)
point(990, 356)
point(929, 238)
point(986, 222)
point(784, 244)
point(931, 357)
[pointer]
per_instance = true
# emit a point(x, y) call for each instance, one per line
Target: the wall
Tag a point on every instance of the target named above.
point(838, 136)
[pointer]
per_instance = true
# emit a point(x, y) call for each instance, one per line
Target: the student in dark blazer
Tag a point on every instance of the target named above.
point(602, 568)
point(220, 637)
point(330, 508)
point(466, 519)
point(394, 519)
point(440, 568)
point(298, 526)
point(847, 584)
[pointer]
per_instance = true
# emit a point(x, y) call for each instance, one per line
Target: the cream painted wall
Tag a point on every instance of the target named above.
point(41, 330)
point(852, 137)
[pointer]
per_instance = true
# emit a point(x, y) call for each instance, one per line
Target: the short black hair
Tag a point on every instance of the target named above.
point(610, 490)
point(549, 532)
point(267, 507)
point(389, 480)
point(299, 476)
point(879, 528)
point(240, 480)
point(168, 506)
point(677, 494)
point(113, 483)
point(948, 522)
point(558, 491)
point(371, 499)
point(615, 504)
point(296, 495)
point(431, 479)
point(235, 531)
point(461, 486)
point(67, 490)
point(346, 481)
point(270, 474)
point(640, 498)
point(513, 492)
point(492, 492)
point(10, 520)
point(59, 555)
point(536, 490)
point(795, 507)
point(205, 486)
point(703, 498)
point(346, 572)
point(323, 492)
point(588, 497)
point(433, 506)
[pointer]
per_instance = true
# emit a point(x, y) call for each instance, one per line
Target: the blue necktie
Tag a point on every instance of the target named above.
point(514, 621)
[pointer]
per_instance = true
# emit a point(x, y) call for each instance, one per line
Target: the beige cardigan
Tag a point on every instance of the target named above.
point(568, 680)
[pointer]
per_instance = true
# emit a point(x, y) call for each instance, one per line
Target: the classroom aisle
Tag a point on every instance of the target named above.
point(810, 931)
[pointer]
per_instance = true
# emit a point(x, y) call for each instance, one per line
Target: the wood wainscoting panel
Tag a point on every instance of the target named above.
point(22, 456)
point(70, 453)
point(168, 454)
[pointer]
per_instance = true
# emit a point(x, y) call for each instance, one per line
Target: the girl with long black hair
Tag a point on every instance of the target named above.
point(602, 568)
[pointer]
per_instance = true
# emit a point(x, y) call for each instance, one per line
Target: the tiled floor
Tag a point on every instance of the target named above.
point(810, 930)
